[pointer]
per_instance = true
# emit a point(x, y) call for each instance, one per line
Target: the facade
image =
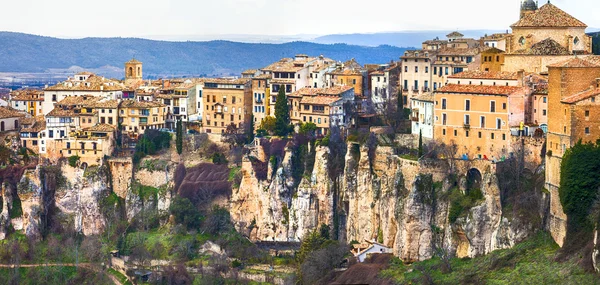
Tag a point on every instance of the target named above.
point(137, 117)
point(362, 252)
point(261, 99)
point(133, 72)
point(227, 101)
point(492, 59)
point(32, 132)
point(478, 118)
point(495, 41)
point(415, 74)
point(325, 107)
point(422, 115)
point(452, 61)
point(385, 85)
point(90, 144)
point(544, 36)
point(28, 100)
point(10, 119)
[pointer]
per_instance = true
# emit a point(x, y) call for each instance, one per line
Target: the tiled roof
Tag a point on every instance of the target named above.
point(58, 112)
point(377, 73)
point(84, 73)
point(581, 96)
point(283, 81)
point(548, 16)
point(134, 61)
point(238, 81)
point(494, 37)
point(459, 51)
point(7, 112)
point(319, 100)
point(346, 72)
point(476, 74)
point(545, 47)
point(101, 128)
point(140, 104)
point(106, 104)
point(36, 124)
point(331, 91)
point(262, 76)
point(286, 65)
point(479, 89)
point(455, 35)
point(93, 83)
point(27, 95)
point(416, 54)
point(78, 100)
point(589, 61)
point(250, 71)
point(427, 97)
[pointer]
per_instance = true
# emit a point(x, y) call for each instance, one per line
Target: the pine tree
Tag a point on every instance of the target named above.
point(420, 143)
point(282, 114)
point(179, 138)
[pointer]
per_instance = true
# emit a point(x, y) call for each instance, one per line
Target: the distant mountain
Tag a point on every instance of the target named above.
point(399, 39)
point(30, 53)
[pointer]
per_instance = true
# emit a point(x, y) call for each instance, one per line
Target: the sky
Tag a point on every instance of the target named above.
point(192, 18)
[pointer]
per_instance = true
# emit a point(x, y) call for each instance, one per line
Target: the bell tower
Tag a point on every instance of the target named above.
point(528, 7)
point(133, 70)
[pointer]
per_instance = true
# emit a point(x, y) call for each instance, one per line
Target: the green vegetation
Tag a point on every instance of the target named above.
point(153, 165)
point(151, 142)
point(307, 129)
point(179, 137)
point(282, 114)
point(16, 210)
point(530, 262)
point(460, 204)
point(122, 278)
point(185, 213)
point(219, 158)
point(420, 143)
point(73, 160)
point(54, 275)
point(579, 184)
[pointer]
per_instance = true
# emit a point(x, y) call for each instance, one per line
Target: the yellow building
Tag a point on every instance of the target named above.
point(492, 60)
point(478, 118)
point(27, 100)
point(348, 77)
point(227, 101)
point(136, 117)
point(133, 72)
point(91, 144)
point(261, 99)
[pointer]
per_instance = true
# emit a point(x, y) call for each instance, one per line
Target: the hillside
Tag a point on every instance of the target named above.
point(30, 53)
point(400, 39)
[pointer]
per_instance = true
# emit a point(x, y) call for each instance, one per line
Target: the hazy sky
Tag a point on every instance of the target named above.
point(144, 18)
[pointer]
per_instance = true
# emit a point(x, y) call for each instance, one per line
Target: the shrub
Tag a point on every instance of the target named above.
point(73, 160)
point(219, 158)
point(185, 212)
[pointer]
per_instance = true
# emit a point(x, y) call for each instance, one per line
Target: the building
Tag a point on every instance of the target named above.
point(351, 74)
point(450, 61)
point(9, 119)
point(136, 117)
point(90, 144)
point(325, 107)
point(83, 83)
point(133, 72)
point(227, 102)
point(495, 41)
point(362, 251)
point(31, 132)
point(542, 37)
point(415, 74)
point(27, 100)
point(70, 114)
point(106, 110)
point(492, 59)
point(422, 115)
point(478, 118)
point(573, 115)
point(178, 99)
point(290, 74)
point(262, 101)
point(385, 83)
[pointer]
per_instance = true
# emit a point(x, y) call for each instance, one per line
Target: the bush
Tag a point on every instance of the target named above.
point(219, 158)
point(73, 160)
point(185, 213)
point(460, 204)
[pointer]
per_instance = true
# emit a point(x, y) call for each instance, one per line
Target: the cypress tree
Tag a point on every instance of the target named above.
point(420, 143)
point(179, 138)
point(282, 114)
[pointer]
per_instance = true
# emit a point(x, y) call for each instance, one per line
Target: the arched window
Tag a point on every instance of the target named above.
point(130, 72)
point(522, 41)
point(576, 41)
point(139, 73)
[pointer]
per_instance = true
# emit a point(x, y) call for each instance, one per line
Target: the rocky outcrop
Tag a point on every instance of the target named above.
point(401, 203)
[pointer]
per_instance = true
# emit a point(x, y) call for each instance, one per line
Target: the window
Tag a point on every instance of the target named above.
point(354, 81)
point(405, 68)
point(444, 118)
point(416, 85)
point(467, 105)
point(455, 133)
point(53, 97)
point(479, 134)
point(587, 114)
point(466, 133)
point(444, 132)
point(482, 122)
point(467, 120)
point(446, 71)
point(498, 124)
point(522, 41)
point(443, 103)
point(587, 130)
point(544, 112)
point(503, 106)
point(576, 41)
point(503, 137)
point(434, 70)
point(416, 69)
point(492, 135)
point(545, 99)
point(493, 106)
point(405, 84)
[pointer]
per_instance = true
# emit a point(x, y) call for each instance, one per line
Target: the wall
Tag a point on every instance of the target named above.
point(121, 170)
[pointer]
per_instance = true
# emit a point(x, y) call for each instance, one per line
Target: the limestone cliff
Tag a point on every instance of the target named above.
point(401, 203)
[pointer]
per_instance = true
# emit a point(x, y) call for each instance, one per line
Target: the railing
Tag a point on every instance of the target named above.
point(319, 111)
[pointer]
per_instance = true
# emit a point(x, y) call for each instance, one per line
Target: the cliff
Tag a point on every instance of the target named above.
point(417, 208)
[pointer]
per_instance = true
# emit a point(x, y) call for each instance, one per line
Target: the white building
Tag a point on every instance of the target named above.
point(422, 115)
point(84, 83)
point(361, 252)
point(9, 119)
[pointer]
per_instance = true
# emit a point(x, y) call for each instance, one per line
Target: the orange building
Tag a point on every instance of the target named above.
point(227, 101)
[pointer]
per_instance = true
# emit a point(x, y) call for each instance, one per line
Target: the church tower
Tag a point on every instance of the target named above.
point(133, 71)
point(528, 7)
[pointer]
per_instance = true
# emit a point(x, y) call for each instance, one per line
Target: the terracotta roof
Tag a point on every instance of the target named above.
point(286, 65)
point(331, 91)
point(101, 128)
point(27, 95)
point(283, 81)
point(84, 73)
point(416, 54)
point(427, 97)
point(578, 62)
point(548, 16)
point(250, 71)
point(346, 72)
point(105, 104)
point(36, 125)
point(476, 74)
point(319, 100)
point(93, 83)
point(495, 37)
point(7, 112)
point(377, 73)
point(455, 34)
point(134, 61)
point(581, 96)
point(545, 47)
point(262, 76)
point(78, 100)
point(479, 89)
point(140, 104)
point(459, 51)
point(238, 81)
point(58, 112)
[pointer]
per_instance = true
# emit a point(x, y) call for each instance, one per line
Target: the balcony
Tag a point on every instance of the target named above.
point(319, 111)
point(426, 89)
point(467, 126)
point(258, 101)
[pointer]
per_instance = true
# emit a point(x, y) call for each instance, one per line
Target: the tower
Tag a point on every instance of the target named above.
point(133, 70)
point(528, 7)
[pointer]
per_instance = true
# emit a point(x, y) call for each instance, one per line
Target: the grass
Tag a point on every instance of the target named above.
point(530, 262)
point(122, 278)
point(410, 157)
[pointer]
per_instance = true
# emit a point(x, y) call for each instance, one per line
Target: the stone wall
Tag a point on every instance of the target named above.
point(121, 170)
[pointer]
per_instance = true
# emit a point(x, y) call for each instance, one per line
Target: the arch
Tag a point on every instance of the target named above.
point(544, 128)
point(474, 179)
point(130, 72)
point(576, 41)
point(83, 165)
point(522, 41)
point(139, 72)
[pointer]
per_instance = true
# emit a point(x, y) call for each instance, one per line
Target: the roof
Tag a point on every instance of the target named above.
point(105, 104)
point(250, 71)
point(427, 97)
point(58, 112)
point(38, 124)
point(92, 83)
point(6, 112)
point(459, 51)
point(319, 100)
point(237, 81)
point(353, 72)
point(84, 73)
point(101, 128)
point(27, 95)
point(416, 54)
point(331, 91)
point(140, 104)
point(455, 34)
point(479, 89)
point(579, 62)
point(545, 47)
point(548, 16)
point(498, 36)
point(78, 100)
point(133, 61)
point(287, 65)
point(476, 74)
point(581, 96)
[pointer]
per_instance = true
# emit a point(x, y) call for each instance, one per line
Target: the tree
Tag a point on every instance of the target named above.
point(268, 124)
point(179, 138)
point(308, 129)
point(282, 114)
point(185, 213)
point(420, 143)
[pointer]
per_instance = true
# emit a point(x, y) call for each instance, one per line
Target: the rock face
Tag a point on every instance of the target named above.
point(401, 203)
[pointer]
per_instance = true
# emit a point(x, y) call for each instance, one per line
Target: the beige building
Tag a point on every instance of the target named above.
point(136, 117)
point(91, 144)
point(227, 101)
point(28, 100)
point(415, 74)
point(31, 132)
point(451, 61)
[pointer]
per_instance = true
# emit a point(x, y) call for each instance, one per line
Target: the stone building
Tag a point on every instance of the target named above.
point(262, 101)
point(322, 106)
point(422, 115)
point(227, 102)
point(133, 72)
point(28, 100)
point(415, 74)
point(384, 85)
point(137, 117)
